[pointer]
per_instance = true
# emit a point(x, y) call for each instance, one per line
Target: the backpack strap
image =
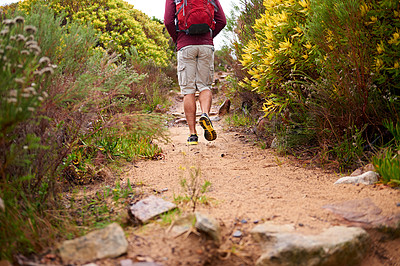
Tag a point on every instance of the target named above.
point(182, 8)
point(214, 4)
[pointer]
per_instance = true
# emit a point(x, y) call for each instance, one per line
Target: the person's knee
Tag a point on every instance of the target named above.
point(205, 90)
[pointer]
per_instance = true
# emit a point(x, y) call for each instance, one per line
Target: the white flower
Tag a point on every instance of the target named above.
point(40, 99)
point(19, 19)
point(32, 42)
point(5, 31)
point(44, 60)
point(30, 29)
point(21, 38)
point(8, 22)
point(35, 49)
point(25, 95)
point(47, 69)
point(13, 93)
point(30, 90)
point(19, 80)
point(31, 109)
point(45, 94)
point(12, 100)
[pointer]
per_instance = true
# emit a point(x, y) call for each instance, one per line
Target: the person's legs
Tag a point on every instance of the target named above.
point(187, 61)
point(205, 99)
point(204, 78)
point(189, 107)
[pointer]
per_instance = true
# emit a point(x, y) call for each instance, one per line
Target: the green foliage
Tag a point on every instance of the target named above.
point(240, 120)
point(387, 163)
point(240, 24)
point(61, 116)
point(351, 148)
point(279, 46)
point(119, 24)
point(103, 207)
point(388, 166)
point(191, 183)
point(223, 59)
point(169, 217)
point(326, 67)
point(382, 20)
point(24, 182)
point(239, 31)
point(21, 72)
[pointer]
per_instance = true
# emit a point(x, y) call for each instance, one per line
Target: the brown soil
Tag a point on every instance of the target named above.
point(249, 185)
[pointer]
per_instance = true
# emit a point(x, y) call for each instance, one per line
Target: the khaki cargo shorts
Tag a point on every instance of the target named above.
point(195, 68)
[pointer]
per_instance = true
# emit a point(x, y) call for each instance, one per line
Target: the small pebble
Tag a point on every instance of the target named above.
point(243, 221)
point(237, 233)
point(256, 221)
point(301, 225)
point(398, 204)
point(222, 155)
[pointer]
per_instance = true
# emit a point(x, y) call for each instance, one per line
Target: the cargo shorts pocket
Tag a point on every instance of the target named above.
point(182, 76)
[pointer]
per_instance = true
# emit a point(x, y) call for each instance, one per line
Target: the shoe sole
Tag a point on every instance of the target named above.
point(209, 132)
point(193, 142)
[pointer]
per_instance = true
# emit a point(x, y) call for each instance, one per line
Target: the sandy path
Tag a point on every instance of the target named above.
point(257, 185)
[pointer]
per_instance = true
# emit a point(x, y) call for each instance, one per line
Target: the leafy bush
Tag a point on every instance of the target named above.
point(278, 47)
point(53, 117)
point(387, 163)
point(239, 31)
point(319, 66)
point(240, 24)
point(22, 70)
point(24, 173)
point(120, 26)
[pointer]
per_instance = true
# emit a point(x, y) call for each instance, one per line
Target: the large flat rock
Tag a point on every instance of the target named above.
point(338, 245)
point(149, 208)
point(109, 242)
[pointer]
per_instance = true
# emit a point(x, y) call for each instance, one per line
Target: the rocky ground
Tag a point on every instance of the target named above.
point(250, 186)
point(261, 202)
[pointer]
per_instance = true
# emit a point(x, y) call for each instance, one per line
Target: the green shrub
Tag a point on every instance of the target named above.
point(42, 137)
point(279, 47)
point(25, 185)
point(22, 70)
point(387, 163)
point(120, 26)
point(327, 67)
point(388, 166)
point(240, 120)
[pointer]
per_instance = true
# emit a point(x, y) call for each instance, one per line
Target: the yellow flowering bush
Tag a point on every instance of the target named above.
point(278, 47)
point(327, 66)
point(119, 24)
point(382, 20)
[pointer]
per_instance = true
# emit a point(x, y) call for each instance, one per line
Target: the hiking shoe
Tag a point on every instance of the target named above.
point(209, 132)
point(193, 139)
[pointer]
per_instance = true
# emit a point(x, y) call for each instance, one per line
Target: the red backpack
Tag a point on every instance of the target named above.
point(195, 16)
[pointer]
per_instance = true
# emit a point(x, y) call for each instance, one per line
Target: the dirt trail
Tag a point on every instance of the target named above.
point(251, 184)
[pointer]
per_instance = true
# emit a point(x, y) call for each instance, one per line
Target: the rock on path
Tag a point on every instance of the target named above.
point(337, 245)
point(109, 242)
